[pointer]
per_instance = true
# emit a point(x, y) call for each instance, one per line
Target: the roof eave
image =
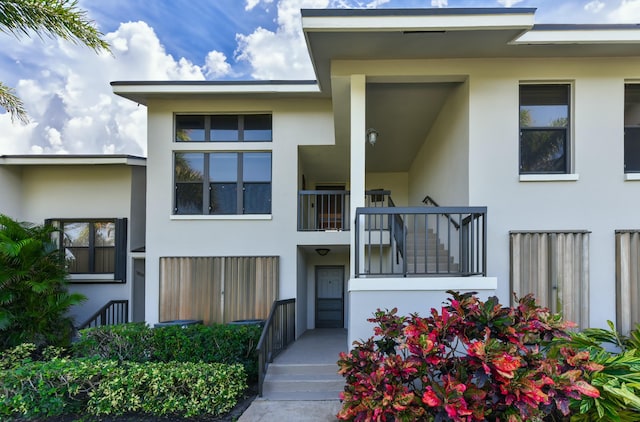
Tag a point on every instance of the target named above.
point(142, 91)
point(84, 159)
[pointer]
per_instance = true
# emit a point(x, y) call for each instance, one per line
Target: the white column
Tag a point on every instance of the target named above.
point(358, 133)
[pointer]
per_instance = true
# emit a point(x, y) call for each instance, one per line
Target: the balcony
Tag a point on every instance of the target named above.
point(421, 241)
point(328, 210)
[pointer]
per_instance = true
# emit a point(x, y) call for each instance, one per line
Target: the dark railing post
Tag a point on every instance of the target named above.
point(279, 331)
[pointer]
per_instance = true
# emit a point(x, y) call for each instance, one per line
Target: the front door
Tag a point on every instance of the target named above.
point(330, 297)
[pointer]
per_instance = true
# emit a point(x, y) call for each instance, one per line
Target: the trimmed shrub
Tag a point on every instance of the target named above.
point(107, 387)
point(184, 388)
point(50, 388)
point(137, 342)
point(473, 361)
point(124, 342)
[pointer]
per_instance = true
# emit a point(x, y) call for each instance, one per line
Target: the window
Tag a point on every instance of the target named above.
point(544, 129)
point(94, 249)
point(632, 128)
point(222, 183)
point(224, 128)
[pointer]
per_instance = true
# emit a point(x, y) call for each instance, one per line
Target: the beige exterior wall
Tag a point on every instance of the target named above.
point(396, 182)
point(600, 201)
point(81, 191)
point(295, 122)
point(10, 188)
point(479, 125)
point(441, 168)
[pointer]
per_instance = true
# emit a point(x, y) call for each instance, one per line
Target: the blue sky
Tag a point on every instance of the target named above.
point(66, 87)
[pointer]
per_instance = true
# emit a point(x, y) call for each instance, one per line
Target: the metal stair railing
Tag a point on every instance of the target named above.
point(279, 332)
point(114, 312)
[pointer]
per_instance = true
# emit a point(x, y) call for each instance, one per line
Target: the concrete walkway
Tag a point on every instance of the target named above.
point(313, 347)
point(308, 411)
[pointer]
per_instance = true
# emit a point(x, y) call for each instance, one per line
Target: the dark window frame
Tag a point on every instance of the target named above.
point(564, 131)
point(119, 273)
point(631, 131)
point(208, 184)
point(207, 124)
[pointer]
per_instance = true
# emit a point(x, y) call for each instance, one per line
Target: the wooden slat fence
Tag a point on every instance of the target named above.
point(627, 280)
point(554, 266)
point(217, 289)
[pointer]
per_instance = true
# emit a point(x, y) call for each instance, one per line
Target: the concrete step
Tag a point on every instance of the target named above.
point(303, 369)
point(302, 382)
point(302, 396)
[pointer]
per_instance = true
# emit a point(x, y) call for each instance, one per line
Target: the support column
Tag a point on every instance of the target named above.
point(358, 133)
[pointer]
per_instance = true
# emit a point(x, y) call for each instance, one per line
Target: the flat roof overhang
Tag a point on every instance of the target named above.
point(397, 34)
point(142, 91)
point(77, 160)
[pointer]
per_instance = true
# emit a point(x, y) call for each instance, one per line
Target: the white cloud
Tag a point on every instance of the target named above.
point(376, 3)
point(439, 3)
point(216, 65)
point(69, 99)
point(253, 3)
point(594, 6)
point(281, 54)
point(628, 11)
point(15, 137)
point(509, 3)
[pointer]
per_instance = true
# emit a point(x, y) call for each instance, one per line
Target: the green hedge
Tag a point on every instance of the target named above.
point(108, 387)
point(137, 342)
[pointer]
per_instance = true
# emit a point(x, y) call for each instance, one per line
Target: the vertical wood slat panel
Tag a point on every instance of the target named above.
point(217, 289)
point(627, 280)
point(555, 268)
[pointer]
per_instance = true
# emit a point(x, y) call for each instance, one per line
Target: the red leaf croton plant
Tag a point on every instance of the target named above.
point(473, 361)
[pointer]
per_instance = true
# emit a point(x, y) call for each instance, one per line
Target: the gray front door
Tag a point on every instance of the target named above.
point(330, 297)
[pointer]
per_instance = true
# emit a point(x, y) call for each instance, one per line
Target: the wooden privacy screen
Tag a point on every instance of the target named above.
point(627, 280)
point(217, 289)
point(554, 266)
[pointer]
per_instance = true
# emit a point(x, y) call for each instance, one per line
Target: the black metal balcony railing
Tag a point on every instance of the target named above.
point(419, 241)
point(328, 210)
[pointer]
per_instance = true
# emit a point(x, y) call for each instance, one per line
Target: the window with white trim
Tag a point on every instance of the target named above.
point(544, 129)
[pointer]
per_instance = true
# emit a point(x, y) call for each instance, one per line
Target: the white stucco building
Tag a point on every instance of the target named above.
point(525, 135)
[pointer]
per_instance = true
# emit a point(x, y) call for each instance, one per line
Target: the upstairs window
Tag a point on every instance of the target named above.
point(95, 250)
point(224, 128)
point(222, 183)
point(544, 129)
point(632, 128)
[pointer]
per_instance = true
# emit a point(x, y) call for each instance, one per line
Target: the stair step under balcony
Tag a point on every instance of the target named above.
point(420, 268)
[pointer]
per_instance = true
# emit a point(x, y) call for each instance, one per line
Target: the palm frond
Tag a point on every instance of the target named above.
point(12, 104)
point(53, 18)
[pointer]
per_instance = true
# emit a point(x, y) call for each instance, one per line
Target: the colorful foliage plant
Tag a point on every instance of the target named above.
point(473, 361)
